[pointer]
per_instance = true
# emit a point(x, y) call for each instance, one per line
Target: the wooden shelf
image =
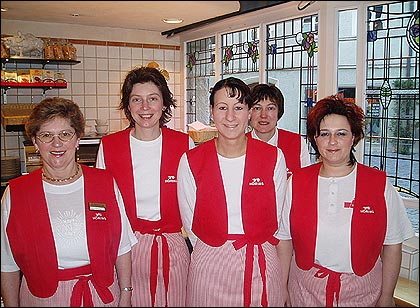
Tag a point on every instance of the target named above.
point(38, 61)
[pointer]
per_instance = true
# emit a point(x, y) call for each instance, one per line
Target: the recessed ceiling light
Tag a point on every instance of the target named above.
point(172, 20)
point(4, 9)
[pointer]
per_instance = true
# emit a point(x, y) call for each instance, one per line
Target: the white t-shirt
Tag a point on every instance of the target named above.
point(232, 170)
point(333, 249)
point(146, 162)
point(66, 207)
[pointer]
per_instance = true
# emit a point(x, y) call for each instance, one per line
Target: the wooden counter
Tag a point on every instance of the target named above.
point(406, 293)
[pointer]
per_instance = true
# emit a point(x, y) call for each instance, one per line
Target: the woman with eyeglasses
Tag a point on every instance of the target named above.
point(65, 237)
point(343, 221)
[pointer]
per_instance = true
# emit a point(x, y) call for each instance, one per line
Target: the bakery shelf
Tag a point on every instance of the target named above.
point(38, 61)
point(41, 85)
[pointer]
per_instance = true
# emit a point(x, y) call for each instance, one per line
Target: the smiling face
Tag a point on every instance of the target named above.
point(335, 140)
point(146, 104)
point(229, 115)
point(57, 155)
point(264, 118)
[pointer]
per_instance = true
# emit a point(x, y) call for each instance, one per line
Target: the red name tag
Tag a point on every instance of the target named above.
point(348, 205)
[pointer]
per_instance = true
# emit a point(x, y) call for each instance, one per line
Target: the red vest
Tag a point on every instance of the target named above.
point(290, 144)
point(118, 160)
point(369, 219)
point(259, 209)
point(31, 238)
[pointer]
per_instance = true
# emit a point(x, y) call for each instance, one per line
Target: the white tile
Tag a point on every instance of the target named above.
point(90, 88)
point(102, 64)
point(113, 52)
point(102, 51)
point(114, 89)
point(90, 101)
point(52, 92)
point(103, 113)
point(158, 55)
point(79, 66)
point(125, 53)
point(136, 63)
point(91, 113)
point(123, 75)
point(137, 53)
point(77, 76)
point(103, 101)
point(90, 76)
point(114, 113)
point(148, 54)
point(169, 55)
point(65, 92)
point(114, 125)
point(89, 51)
point(78, 88)
point(169, 66)
point(79, 49)
point(113, 101)
point(90, 63)
point(79, 100)
point(126, 65)
point(102, 76)
point(102, 88)
point(114, 64)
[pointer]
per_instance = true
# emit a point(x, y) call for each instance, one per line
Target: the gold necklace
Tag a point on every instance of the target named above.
point(61, 180)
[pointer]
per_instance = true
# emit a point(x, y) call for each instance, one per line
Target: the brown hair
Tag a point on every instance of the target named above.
point(235, 87)
point(55, 107)
point(336, 105)
point(270, 92)
point(146, 74)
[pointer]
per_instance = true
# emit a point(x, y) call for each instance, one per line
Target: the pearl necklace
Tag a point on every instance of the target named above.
point(61, 180)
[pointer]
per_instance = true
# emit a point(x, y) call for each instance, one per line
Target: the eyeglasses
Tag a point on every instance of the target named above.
point(64, 136)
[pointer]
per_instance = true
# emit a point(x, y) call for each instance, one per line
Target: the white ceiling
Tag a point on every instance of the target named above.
point(140, 15)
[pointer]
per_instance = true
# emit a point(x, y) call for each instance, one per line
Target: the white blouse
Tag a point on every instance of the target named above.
point(66, 208)
point(333, 249)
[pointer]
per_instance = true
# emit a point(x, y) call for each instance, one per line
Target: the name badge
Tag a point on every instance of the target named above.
point(96, 206)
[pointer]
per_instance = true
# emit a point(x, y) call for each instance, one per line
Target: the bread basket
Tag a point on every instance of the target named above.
point(15, 114)
point(200, 136)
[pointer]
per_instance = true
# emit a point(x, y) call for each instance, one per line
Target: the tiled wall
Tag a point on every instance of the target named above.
point(410, 259)
point(95, 83)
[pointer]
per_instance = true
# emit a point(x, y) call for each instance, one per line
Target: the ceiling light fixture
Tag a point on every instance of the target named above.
point(75, 14)
point(4, 9)
point(172, 20)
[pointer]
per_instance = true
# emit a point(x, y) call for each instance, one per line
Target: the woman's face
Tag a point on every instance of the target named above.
point(146, 104)
point(57, 154)
point(229, 115)
point(335, 140)
point(264, 117)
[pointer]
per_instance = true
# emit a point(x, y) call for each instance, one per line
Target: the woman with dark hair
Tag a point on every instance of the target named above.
point(230, 191)
point(144, 158)
point(267, 109)
point(64, 227)
point(343, 220)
